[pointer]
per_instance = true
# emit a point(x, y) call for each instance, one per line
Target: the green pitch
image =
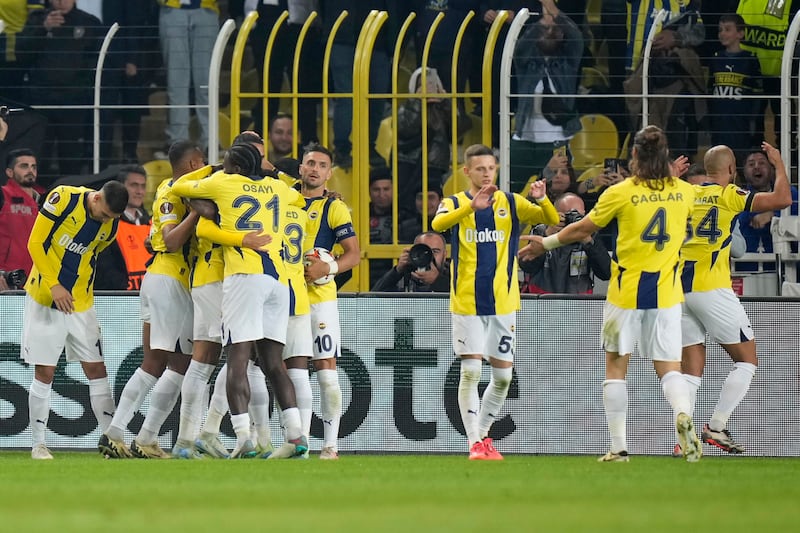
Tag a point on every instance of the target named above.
point(83, 492)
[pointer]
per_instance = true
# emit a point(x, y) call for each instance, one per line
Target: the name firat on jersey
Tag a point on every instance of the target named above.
point(484, 235)
point(656, 196)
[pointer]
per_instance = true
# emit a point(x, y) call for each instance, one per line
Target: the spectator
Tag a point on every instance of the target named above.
point(734, 73)
point(125, 78)
point(423, 267)
point(547, 61)
point(572, 268)
point(281, 136)
point(188, 32)
point(122, 265)
point(409, 139)
point(759, 176)
point(380, 217)
point(282, 57)
point(59, 45)
point(444, 40)
point(767, 23)
point(591, 188)
point(560, 176)
point(411, 227)
point(14, 13)
point(18, 209)
point(341, 72)
point(675, 69)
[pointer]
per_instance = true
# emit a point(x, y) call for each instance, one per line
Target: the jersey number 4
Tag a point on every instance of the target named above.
point(708, 228)
point(656, 229)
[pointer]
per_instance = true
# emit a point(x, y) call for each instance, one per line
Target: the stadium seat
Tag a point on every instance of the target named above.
point(591, 172)
point(157, 171)
point(342, 182)
point(383, 142)
point(597, 140)
point(623, 152)
point(592, 78)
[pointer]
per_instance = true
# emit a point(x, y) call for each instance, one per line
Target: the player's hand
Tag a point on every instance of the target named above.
point(336, 195)
point(761, 220)
point(679, 166)
point(148, 245)
point(3, 284)
point(533, 250)
point(538, 190)
point(484, 198)
point(63, 299)
point(773, 154)
point(255, 240)
point(204, 208)
point(316, 268)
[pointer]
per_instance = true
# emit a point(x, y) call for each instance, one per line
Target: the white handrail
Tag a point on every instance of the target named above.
point(660, 16)
point(786, 90)
point(98, 80)
point(505, 95)
point(214, 70)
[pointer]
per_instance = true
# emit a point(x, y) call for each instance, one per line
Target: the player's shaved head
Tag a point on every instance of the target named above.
point(718, 159)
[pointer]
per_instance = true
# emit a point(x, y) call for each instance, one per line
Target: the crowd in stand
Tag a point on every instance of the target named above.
point(726, 50)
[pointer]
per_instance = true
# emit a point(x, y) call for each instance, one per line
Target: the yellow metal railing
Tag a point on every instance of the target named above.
point(355, 182)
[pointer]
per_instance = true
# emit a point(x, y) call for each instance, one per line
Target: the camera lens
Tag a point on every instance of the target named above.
point(421, 256)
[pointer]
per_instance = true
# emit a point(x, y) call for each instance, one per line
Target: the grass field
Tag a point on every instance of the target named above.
point(82, 492)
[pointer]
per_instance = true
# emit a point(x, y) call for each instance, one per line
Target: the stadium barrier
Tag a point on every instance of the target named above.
point(399, 379)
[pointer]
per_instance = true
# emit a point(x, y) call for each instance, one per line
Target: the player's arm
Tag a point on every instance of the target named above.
point(42, 227)
point(254, 239)
point(781, 195)
point(448, 216)
point(176, 235)
point(194, 188)
point(575, 232)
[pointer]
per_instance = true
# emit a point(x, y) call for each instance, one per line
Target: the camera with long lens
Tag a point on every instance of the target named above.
point(421, 256)
point(573, 215)
point(15, 279)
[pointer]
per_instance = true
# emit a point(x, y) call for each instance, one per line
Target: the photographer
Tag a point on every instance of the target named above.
point(569, 269)
point(422, 268)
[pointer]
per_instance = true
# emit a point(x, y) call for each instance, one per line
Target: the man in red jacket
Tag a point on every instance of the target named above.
point(18, 210)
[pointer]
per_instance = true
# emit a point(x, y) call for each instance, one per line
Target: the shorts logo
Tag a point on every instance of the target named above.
point(322, 325)
point(513, 328)
point(166, 208)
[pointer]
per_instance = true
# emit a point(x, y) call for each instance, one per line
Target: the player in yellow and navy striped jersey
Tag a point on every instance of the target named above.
point(652, 209)
point(166, 314)
point(255, 298)
point(484, 291)
point(74, 225)
point(329, 223)
point(711, 308)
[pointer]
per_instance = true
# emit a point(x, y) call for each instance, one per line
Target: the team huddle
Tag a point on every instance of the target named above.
point(240, 261)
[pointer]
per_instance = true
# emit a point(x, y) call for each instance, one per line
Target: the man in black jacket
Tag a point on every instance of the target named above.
point(410, 275)
point(569, 269)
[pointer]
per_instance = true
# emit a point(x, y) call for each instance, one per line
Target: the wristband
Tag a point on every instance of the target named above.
point(551, 241)
point(333, 268)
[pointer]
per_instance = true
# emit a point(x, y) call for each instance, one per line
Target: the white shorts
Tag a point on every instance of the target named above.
point(325, 331)
point(298, 337)
point(46, 332)
point(717, 312)
point(254, 307)
point(167, 307)
point(207, 300)
point(658, 332)
point(489, 336)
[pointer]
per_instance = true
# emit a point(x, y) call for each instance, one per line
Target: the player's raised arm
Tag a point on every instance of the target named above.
point(781, 194)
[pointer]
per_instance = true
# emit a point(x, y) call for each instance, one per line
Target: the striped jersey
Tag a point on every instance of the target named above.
point(646, 262)
point(64, 244)
point(293, 247)
point(707, 253)
point(329, 222)
point(169, 210)
point(484, 249)
point(247, 204)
